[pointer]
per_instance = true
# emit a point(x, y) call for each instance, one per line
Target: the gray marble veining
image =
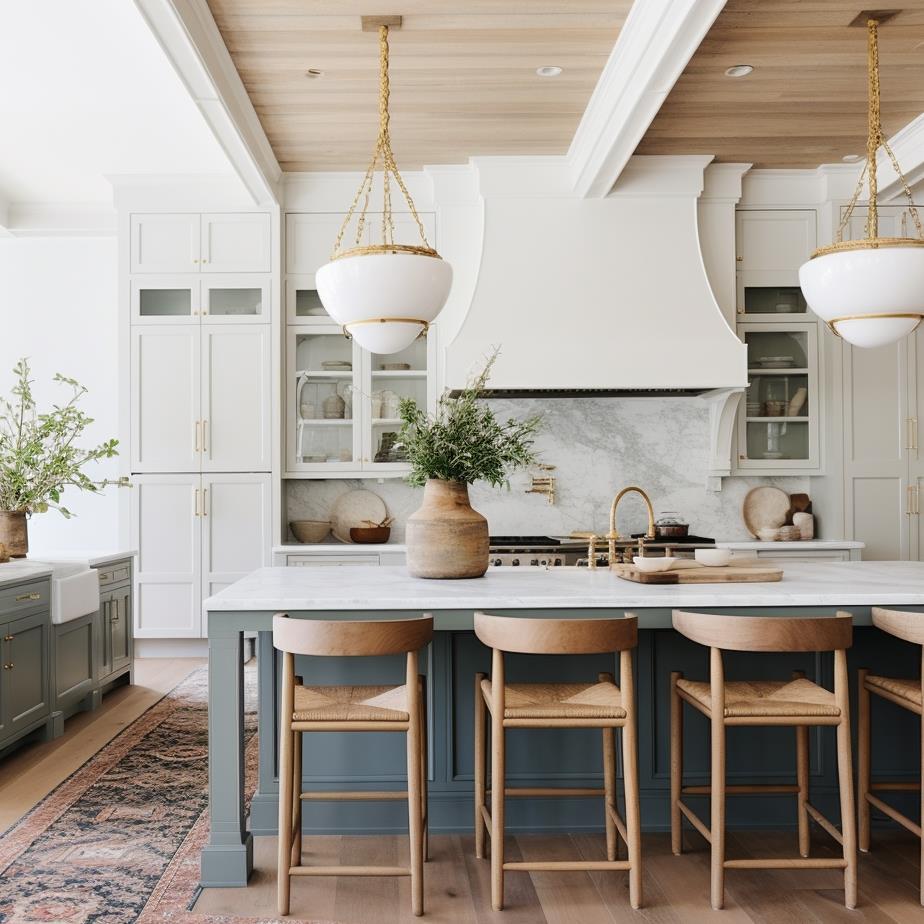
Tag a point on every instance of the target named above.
point(597, 446)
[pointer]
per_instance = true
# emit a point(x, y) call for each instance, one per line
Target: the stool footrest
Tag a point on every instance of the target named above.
point(695, 820)
point(552, 865)
point(896, 786)
point(743, 789)
point(787, 863)
point(349, 871)
point(620, 824)
point(354, 796)
point(527, 791)
point(894, 814)
point(824, 823)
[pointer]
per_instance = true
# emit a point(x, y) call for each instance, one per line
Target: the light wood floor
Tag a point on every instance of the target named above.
point(458, 890)
point(30, 773)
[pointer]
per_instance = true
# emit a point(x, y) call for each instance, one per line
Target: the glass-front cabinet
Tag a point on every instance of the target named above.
point(165, 299)
point(342, 401)
point(778, 424)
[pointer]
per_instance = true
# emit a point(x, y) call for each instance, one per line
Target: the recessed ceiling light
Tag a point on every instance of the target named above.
point(739, 70)
point(852, 158)
point(548, 70)
point(313, 73)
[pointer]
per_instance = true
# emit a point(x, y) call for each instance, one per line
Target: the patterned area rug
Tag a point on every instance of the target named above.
point(119, 840)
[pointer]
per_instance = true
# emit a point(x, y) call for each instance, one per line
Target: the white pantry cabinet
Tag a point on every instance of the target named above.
point(195, 534)
point(232, 298)
point(200, 398)
point(232, 242)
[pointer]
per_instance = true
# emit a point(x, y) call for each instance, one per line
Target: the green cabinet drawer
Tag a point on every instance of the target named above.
point(118, 573)
point(24, 597)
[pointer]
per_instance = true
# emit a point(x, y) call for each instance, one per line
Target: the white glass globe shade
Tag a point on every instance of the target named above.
point(394, 285)
point(391, 337)
point(885, 280)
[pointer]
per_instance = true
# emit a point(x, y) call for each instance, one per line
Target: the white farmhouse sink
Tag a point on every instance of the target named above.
point(74, 590)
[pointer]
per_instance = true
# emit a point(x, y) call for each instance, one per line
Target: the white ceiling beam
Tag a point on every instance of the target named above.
point(908, 146)
point(190, 38)
point(654, 46)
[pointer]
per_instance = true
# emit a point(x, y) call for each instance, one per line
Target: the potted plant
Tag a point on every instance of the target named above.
point(463, 442)
point(39, 456)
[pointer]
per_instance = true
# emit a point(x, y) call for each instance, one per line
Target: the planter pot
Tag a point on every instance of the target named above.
point(14, 532)
point(446, 538)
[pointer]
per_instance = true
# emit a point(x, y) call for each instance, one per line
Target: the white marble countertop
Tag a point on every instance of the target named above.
point(337, 548)
point(20, 569)
point(356, 588)
point(819, 544)
point(95, 558)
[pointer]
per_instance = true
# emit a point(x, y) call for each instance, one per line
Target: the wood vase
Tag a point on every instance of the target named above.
point(14, 532)
point(446, 538)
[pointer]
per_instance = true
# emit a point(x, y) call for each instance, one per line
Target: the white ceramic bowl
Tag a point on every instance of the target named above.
point(768, 534)
point(649, 564)
point(713, 558)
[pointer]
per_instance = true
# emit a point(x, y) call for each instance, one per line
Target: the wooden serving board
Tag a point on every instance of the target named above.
point(699, 575)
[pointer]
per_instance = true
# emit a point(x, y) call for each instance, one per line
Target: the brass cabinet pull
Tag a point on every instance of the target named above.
point(115, 618)
point(30, 596)
point(198, 440)
point(913, 501)
point(8, 638)
point(8, 667)
point(205, 502)
point(914, 433)
point(205, 424)
point(197, 510)
point(909, 503)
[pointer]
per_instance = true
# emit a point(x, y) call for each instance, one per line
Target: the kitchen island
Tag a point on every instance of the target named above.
point(569, 758)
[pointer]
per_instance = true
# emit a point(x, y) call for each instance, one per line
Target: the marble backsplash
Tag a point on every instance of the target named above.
point(597, 445)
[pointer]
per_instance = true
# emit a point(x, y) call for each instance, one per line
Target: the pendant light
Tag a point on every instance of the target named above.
point(870, 291)
point(384, 295)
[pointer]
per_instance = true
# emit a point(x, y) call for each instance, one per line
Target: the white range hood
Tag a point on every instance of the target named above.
point(609, 295)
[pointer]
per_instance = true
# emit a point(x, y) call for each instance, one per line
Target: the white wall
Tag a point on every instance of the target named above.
point(58, 306)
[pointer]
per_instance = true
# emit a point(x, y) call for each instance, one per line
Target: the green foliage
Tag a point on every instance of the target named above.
point(464, 441)
point(39, 457)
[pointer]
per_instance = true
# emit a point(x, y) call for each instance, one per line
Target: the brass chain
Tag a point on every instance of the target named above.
point(875, 140)
point(389, 169)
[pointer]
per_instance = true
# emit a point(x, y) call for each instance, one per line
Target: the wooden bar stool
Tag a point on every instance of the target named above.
point(797, 702)
point(909, 694)
point(350, 709)
point(558, 705)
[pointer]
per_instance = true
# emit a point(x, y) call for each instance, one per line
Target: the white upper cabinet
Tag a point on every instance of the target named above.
point(310, 240)
point(165, 243)
point(165, 414)
point(235, 299)
point(236, 400)
point(236, 243)
point(232, 242)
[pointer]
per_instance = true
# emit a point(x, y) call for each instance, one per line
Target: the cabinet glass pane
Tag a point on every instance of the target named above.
point(396, 376)
point(774, 300)
point(165, 303)
point(776, 350)
point(308, 304)
point(324, 396)
point(783, 439)
point(236, 301)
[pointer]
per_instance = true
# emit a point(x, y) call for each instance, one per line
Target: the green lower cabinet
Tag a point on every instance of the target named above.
point(25, 685)
point(75, 664)
point(116, 642)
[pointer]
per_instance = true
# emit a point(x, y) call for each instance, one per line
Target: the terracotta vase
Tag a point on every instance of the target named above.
point(446, 538)
point(14, 532)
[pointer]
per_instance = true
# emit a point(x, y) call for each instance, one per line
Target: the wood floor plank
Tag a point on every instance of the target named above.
point(30, 773)
point(377, 898)
point(614, 887)
point(447, 896)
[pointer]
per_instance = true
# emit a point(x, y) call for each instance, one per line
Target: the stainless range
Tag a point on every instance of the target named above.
point(562, 551)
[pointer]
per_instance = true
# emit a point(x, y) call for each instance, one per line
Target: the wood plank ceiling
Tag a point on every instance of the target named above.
point(805, 102)
point(463, 75)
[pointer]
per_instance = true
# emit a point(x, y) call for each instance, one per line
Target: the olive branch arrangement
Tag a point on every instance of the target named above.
point(39, 455)
point(463, 440)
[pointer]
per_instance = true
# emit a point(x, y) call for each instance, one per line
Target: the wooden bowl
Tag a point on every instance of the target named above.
point(370, 534)
point(310, 531)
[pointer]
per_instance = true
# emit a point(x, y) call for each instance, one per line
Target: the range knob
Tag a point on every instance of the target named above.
point(534, 562)
point(515, 562)
point(497, 561)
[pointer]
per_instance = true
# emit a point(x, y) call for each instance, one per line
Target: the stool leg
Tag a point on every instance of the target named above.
point(630, 780)
point(676, 765)
point(286, 768)
point(424, 782)
point(717, 807)
point(845, 780)
point(498, 781)
point(414, 796)
point(802, 778)
point(480, 768)
point(922, 786)
point(863, 759)
point(609, 783)
point(297, 799)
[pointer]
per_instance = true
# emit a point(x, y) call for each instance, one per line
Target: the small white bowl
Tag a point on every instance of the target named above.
point(768, 534)
point(648, 564)
point(713, 558)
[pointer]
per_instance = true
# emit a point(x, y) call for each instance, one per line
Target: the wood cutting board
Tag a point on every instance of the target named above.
point(728, 575)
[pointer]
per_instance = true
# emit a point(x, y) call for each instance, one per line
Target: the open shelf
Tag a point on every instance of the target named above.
point(777, 419)
point(399, 373)
point(787, 371)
